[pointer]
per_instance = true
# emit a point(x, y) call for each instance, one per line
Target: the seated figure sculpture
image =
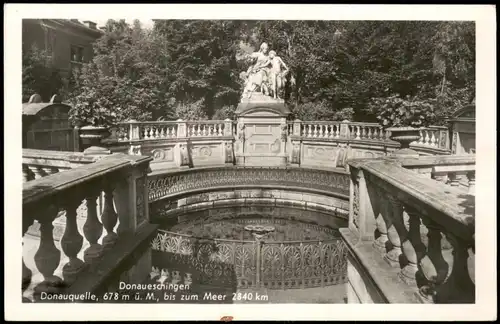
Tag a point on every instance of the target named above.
point(256, 76)
point(265, 76)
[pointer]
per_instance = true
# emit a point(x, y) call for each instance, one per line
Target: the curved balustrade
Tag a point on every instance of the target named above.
point(411, 227)
point(248, 264)
point(44, 198)
point(299, 143)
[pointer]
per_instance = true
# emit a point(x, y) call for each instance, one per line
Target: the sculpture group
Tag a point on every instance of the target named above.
point(266, 75)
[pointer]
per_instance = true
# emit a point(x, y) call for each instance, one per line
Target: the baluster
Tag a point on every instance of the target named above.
point(26, 272)
point(168, 132)
point(421, 138)
point(92, 230)
point(363, 132)
point(204, 130)
point(375, 133)
point(47, 257)
point(309, 134)
point(471, 176)
point(459, 286)
point(174, 131)
point(433, 265)
point(427, 139)
point(157, 131)
point(329, 131)
point(198, 132)
point(315, 131)
point(337, 132)
point(439, 177)
point(392, 257)
point(36, 171)
point(109, 218)
point(162, 132)
point(49, 170)
point(434, 139)
point(26, 173)
point(72, 242)
point(380, 243)
point(452, 177)
point(358, 132)
point(370, 133)
point(413, 248)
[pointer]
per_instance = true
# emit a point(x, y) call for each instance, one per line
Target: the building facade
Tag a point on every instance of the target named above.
point(67, 42)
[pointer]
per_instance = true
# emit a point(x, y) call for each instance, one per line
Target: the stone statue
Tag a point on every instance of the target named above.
point(266, 75)
point(276, 75)
point(257, 74)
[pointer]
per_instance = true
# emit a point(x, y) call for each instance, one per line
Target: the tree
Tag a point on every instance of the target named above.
point(202, 65)
point(39, 75)
point(125, 76)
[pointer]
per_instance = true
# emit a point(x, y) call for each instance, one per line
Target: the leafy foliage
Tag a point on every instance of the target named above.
point(395, 111)
point(39, 75)
point(124, 81)
point(339, 70)
point(190, 111)
point(226, 112)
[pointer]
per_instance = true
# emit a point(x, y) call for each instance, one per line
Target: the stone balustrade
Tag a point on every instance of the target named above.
point(182, 144)
point(124, 218)
point(41, 163)
point(454, 170)
point(410, 237)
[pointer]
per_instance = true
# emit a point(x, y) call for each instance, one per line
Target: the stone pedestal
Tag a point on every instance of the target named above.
point(262, 132)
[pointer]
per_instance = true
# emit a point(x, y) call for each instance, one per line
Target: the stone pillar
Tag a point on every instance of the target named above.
point(134, 135)
point(284, 137)
point(131, 199)
point(296, 143)
point(361, 215)
point(240, 142)
point(344, 129)
point(76, 139)
point(181, 148)
point(228, 127)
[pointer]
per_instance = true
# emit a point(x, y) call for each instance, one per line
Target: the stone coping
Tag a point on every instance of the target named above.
point(48, 186)
point(448, 206)
point(33, 156)
point(379, 273)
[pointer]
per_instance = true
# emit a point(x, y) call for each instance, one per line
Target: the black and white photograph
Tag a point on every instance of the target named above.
point(194, 160)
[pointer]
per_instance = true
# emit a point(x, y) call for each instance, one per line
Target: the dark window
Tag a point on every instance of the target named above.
point(76, 54)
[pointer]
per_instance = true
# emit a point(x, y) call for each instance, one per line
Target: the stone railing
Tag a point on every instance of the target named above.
point(174, 144)
point(410, 237)
point(122, 178)
point(246, 264)
point(41, 163)
point(458, 171)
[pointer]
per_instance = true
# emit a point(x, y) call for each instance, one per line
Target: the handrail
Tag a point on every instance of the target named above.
point(398, 214)
point(36, 190)
point(424, 194)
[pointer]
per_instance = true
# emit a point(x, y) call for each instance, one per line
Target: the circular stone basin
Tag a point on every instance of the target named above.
point(243, 228)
